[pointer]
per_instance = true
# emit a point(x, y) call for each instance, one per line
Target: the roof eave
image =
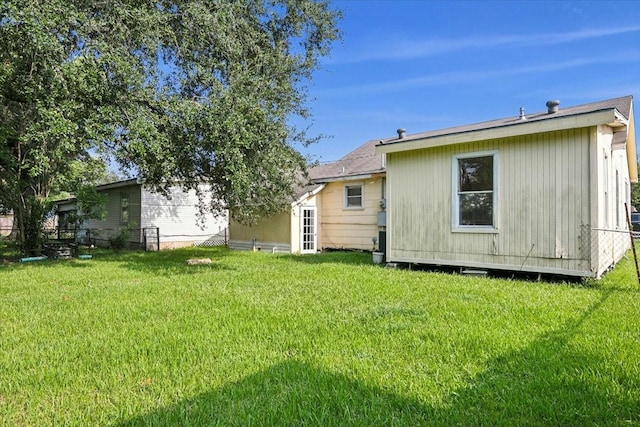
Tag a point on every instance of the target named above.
point(119, 184)
point(352, 177)
point(607, 116)
point(308, 194)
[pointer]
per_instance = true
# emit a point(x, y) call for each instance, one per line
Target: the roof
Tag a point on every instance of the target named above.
point(363, 161)
point(508, 125)
point(119, 184)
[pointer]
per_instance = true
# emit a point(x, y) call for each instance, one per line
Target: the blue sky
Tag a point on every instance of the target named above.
point(425, 65)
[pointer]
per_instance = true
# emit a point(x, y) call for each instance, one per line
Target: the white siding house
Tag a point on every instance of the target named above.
point(544, 193)
point(6, 222)
point(337, 210)
point(150, 217)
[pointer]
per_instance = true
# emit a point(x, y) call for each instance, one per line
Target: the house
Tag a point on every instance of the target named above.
point(147, 219)
point(543, 192)
point(6, 221)
point(339, 209)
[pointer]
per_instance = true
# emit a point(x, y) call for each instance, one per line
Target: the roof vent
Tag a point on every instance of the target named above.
point(552, 106)
point(522, 116)
point(401, 133)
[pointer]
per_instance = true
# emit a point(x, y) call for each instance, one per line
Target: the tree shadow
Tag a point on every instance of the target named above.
point(551, 382)
point(168, 262)
point(541, 385)
point(289, 393)
point(332, 257)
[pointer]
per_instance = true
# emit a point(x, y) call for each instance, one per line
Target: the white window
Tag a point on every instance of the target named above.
point(353, 196)
point(474, 191)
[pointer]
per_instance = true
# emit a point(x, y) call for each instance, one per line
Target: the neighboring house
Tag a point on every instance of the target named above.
point(338, 210)
point(6, 221)
point(543, 192)
point(149, 217)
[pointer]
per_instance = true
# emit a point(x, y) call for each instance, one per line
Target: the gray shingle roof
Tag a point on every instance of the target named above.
point(622, 105)
point(364, 160)
point(361, 161)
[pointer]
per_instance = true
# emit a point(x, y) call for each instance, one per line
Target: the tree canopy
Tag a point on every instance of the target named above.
point(177, 90)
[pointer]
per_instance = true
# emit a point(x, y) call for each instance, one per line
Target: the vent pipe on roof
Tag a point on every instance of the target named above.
point(401, 133)
point(522, 116)
point(552, 106)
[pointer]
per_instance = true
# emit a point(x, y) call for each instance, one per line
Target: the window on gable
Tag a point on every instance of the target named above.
point(474, 191)
point(353, 196)
point(124, 207)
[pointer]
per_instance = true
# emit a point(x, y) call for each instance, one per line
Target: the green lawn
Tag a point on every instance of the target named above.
point(325, 340)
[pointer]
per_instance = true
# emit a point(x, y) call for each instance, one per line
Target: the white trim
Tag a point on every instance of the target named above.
point(314, 249)
point(306, 195)
point(351, 177)
point(455, 205)
point(595, 118)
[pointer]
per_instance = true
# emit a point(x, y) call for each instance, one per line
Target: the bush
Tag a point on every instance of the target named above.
point(120, 240)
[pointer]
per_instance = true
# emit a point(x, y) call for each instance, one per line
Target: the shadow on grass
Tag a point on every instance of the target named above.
point(333, 257)
point(289, 393)
point(548, 383)
point(47, 263)
point(167, 262)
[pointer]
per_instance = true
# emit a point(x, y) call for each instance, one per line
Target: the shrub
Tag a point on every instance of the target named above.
point(120, 240)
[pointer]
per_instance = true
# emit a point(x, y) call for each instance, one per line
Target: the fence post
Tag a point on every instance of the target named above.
point(633, 246)
point(158, 238)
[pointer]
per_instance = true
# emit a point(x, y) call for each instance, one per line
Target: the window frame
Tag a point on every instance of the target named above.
point(456, 226)
point(346, 196)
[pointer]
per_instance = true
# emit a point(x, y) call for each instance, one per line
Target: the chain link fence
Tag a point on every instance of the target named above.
point(607, 247)
point(147, 238)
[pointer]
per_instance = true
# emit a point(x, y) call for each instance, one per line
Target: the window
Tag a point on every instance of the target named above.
point(353, 196)
point(474, 191)
point(124, 207)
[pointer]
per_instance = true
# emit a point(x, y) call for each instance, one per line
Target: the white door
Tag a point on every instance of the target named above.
point(308, 234)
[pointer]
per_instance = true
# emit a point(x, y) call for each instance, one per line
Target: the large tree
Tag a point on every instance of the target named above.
point(176, 90)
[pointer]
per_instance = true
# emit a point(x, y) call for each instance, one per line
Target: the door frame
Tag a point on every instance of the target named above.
point(304, 235)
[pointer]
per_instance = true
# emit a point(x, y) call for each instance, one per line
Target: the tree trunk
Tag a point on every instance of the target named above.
point(28, 219)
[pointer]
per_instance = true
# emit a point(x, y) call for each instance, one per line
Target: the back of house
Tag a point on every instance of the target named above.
point(338, 209)
point(544, 193)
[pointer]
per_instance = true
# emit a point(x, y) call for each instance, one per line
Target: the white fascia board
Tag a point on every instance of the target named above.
point(306, 195)
point(118, 184)
point(347, 178)
point(620, 118)
point(352, 177)
point(538, 126)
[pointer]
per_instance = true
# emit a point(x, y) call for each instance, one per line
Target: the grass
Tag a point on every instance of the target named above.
point(134, 339)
